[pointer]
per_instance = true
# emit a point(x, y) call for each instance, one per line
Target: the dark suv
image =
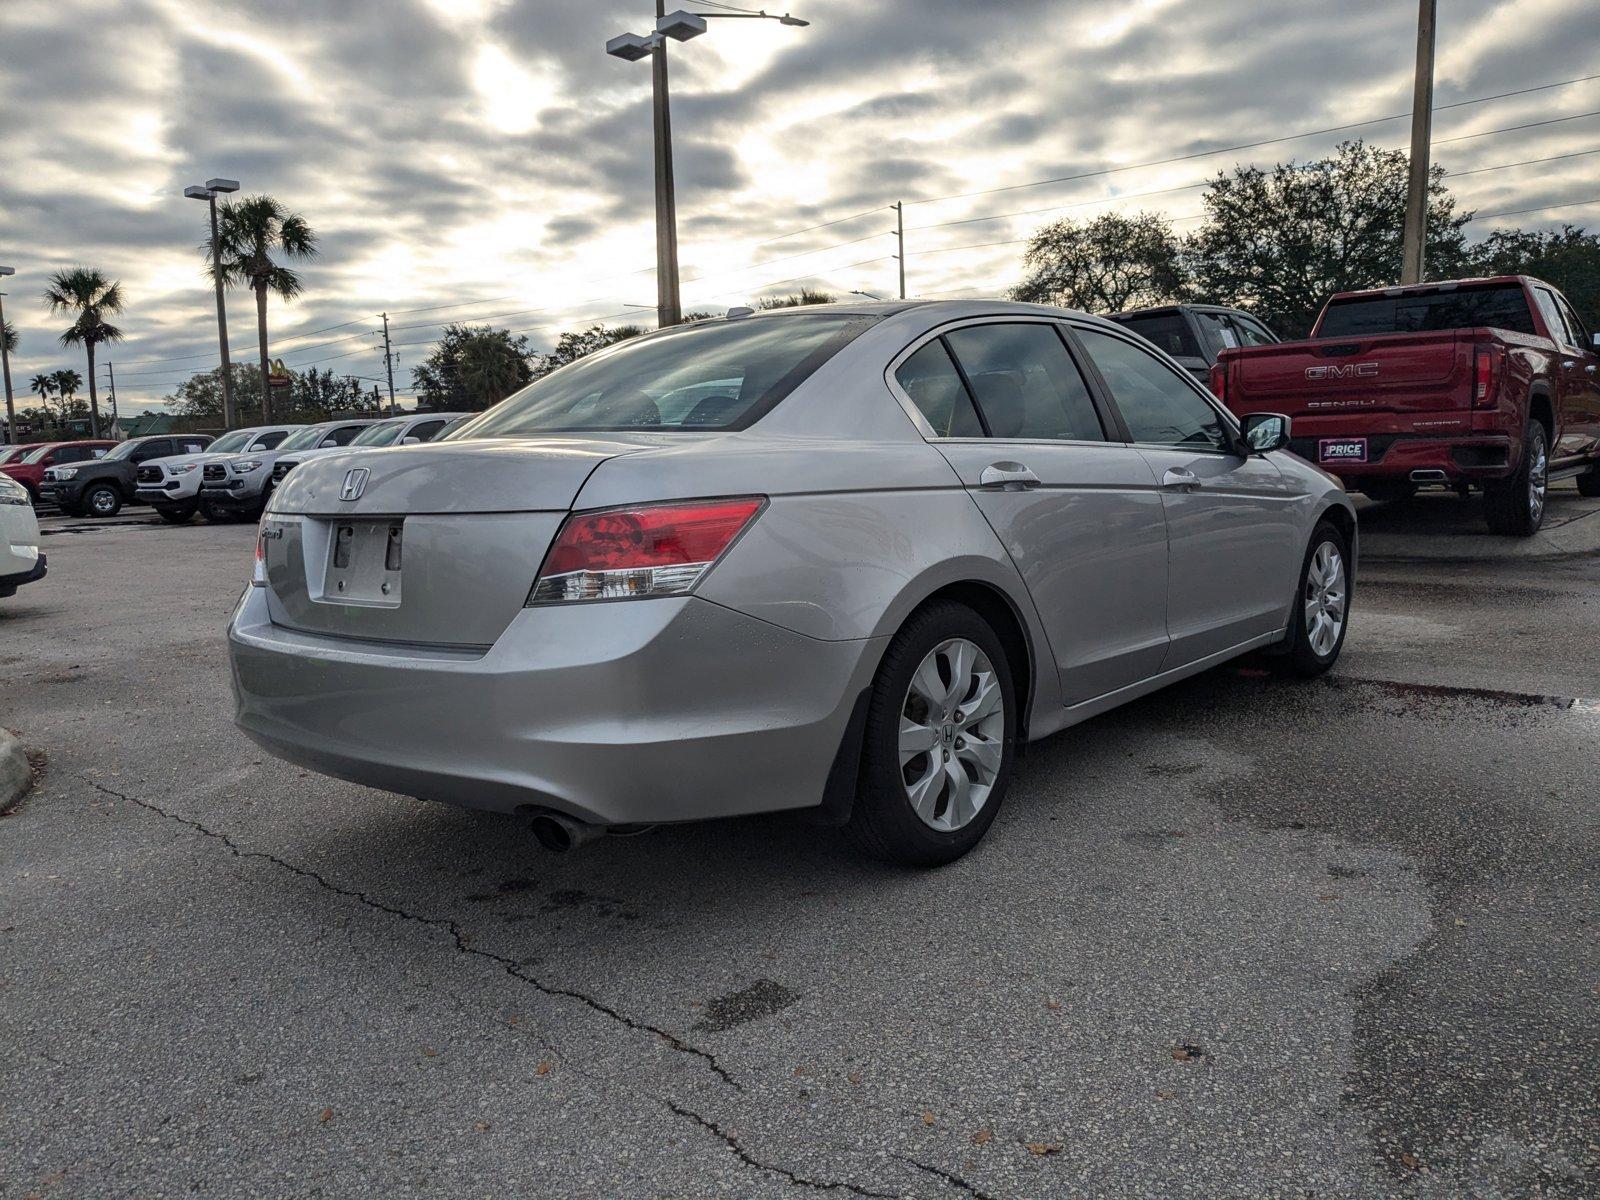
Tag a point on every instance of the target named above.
point(101, 487)
point(1195, 334)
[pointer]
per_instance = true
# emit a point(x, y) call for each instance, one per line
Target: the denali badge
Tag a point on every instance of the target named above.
point(355, 482)
point(1344, 371)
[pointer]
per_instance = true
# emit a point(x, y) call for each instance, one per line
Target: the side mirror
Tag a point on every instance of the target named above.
point(411, 441)
point(1264, 432)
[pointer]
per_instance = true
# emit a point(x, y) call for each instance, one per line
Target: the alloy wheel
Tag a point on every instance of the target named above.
point(1538, 480)
point(1325, 597)
point(102, 502)
point(952, 734)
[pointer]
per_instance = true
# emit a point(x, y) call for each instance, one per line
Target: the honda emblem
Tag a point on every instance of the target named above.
point(355, 482)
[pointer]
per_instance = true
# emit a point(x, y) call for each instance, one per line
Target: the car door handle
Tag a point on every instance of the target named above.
point(1568, 363)
point(1007, 477)
point(1180, 479)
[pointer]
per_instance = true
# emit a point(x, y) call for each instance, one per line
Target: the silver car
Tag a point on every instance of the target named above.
point(845, 558)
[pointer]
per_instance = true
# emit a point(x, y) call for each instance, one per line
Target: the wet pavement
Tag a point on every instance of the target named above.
point(1242, 938)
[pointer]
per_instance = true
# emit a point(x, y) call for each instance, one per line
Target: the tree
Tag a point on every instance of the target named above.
point(570, 346)
point(1569, 258)
point(250, 233)
point(92, 297)
point(1280, 242)
point(200, 395)
point(63, 387)
point(472, 367)
point(1107, 264)
point(798, 299)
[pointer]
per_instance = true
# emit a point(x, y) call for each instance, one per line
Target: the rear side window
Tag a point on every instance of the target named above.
point(1500, 306)
point(711, 376)
point(935, 387)
point(1157, 403)
point(1025, 382)
point(1168, 331)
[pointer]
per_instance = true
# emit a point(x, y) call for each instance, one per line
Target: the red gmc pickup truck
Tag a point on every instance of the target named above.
point(1488, 383)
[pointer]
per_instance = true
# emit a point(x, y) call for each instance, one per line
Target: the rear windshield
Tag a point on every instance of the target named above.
point(1502, 306)
point(721, 375)
point(1167, 330)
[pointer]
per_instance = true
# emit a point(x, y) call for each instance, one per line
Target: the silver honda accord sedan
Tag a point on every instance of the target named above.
point(846, 558)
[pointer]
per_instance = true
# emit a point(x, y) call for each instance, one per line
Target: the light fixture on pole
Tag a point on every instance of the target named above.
point(5, 365)
point(209, 192)
point(680, 26)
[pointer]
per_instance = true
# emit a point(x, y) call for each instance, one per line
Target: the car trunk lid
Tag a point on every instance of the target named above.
point(436, 544)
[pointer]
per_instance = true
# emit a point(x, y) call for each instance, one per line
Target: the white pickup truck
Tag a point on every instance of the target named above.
point(172, 485)
point(235, 487)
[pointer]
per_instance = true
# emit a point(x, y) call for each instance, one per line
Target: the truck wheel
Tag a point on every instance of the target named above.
point(103, 500)
point(1589, 483)
point(938, 746)
point(211, 512)
point(176, 514)
point(1515, 506)
point(1321, 615)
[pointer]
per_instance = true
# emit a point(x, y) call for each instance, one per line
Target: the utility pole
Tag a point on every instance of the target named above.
point(5, 365)
point(111, 379)
point(388, 362)
point(669, 306)
point(1411, 264)
point(900, 237)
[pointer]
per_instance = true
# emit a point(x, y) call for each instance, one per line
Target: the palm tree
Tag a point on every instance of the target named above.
point(251, 231)
point(87, 292)
point(43, 386)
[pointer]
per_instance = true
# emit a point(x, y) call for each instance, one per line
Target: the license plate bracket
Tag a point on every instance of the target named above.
point(364, 562)
point(1342, 450)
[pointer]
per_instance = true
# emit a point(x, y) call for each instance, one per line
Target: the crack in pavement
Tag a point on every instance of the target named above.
point(463, 942)
point(744, 1156)
point(947, 1176)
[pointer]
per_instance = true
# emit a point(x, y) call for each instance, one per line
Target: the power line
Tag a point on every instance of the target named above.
point(1517, 212)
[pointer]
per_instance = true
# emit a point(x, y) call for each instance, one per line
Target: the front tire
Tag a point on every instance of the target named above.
point(102, 500)
point(1515, 506)
point(939, 741)
point(176, 514)
point(1321, 614)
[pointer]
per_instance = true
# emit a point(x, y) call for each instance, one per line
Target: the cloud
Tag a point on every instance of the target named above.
point(455, 150)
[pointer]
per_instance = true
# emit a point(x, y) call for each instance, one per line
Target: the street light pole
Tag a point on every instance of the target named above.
point(208, 193)
point(1411, 253)
point(679, 26)
point(5, 365)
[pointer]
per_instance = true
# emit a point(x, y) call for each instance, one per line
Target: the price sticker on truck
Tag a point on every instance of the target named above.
point(1334, 450)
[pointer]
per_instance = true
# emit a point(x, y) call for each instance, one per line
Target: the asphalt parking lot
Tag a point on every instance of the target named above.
point(1241, 938)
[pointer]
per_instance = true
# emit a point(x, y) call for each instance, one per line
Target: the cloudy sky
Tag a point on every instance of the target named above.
point(487, 154)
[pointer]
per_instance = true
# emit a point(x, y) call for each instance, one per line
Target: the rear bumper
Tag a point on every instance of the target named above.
point(615, 713)
point(1393, 457)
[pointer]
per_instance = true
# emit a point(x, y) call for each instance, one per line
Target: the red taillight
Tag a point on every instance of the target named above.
point(649, 550)
point(1483, 375)
point(1218, 381)
point(258, 573)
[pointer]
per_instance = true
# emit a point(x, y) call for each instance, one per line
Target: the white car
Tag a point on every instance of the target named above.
point(20, 560)
point(172, 485)
point(236, 486)
point(408, 430)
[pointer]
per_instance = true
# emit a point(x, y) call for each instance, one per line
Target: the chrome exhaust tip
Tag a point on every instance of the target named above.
point(558, 833)
point(1428, 475)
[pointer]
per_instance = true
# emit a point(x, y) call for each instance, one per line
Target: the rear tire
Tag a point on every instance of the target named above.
point(1515, 506)
point(1324, 592)
point(102, 500)
point(176, 514)
point(939, 741)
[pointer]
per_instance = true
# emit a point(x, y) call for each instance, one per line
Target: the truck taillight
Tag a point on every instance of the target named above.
point(636, 552)
point(1485, 365)
point(1218, 381)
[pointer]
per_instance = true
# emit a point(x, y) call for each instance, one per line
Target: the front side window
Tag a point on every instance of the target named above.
point(1223, 334)
point(230, 443)
point(1251, 331)
point(267, 441)
point(149, 450)
point(1156, 402)
point(718, 375)
point(343, 436)
point(935, 387)
point(426, 431)
point(303, 439)
point(1025, 382)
